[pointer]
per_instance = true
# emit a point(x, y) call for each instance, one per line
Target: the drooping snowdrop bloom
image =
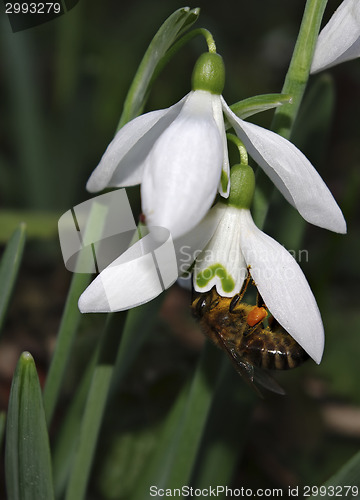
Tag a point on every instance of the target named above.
point(237, 245)
point(179, 156)
point(339, 40)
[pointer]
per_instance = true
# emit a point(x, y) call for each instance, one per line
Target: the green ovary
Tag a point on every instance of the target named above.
point(218, 270)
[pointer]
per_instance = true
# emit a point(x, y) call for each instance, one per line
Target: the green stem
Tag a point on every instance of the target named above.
point(294, 85)
point(299, 69)
point(241, 148)
point(165, 60)
point(180, 43)
point(209, 39)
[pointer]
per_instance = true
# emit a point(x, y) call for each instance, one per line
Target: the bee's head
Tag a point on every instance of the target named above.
point(203, 302)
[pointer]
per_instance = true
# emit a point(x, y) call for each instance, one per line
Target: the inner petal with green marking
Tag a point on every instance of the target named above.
point(206, 275)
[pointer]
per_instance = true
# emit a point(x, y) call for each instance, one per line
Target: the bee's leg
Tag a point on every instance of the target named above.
point(234, 302)
point(238, 297)
point(252, 329)
point(260, 301)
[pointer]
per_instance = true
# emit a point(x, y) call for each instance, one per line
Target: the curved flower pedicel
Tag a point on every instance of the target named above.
point(237, 244)
point(179, 156)
point(339, 40)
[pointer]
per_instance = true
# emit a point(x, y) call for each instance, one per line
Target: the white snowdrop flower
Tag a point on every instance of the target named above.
point(179, 156)
point(339, 40)
point(237, 245)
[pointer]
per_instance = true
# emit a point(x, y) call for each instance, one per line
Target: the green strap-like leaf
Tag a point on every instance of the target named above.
point(2, 427)
point(95, 407)
point(39, 224)
point(9, 268)
point(65, 446)
point(171, 29)
point(27, 453)
point(248, 107)
point(226, 431)
point(139, 323)
point(344, 483)
point(71, 317)
point(176, 452)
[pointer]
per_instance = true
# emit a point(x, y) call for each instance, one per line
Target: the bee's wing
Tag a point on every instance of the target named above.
point(263, 378)
point(246, 370)
point(252, 375)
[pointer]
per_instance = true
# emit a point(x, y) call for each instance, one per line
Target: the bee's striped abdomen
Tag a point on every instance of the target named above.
point(274, 350)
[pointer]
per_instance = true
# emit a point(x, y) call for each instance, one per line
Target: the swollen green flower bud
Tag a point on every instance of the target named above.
point(209, 73)
point(242, 181)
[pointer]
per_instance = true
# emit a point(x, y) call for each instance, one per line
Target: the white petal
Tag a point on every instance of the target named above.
point(283, 287)
point(224, 190)
point(122, 163)
point(292, 174)
point(122, 287)
point(139, 275)
point(182, 171)
point(222, 264)
point(339, 40)
point(189, 246)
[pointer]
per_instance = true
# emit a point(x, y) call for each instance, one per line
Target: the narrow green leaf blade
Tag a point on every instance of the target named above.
point(9, 268)
point(95, 407)
point(259, 103)
point(40, 224)
point(27, 453)
point(138, 324)
point(2, 427)
point(170, 30)
point(176, 452)
point(71, 317)
point(226, 432)
point(66, 442)
point(345, 482)
point(89, 432)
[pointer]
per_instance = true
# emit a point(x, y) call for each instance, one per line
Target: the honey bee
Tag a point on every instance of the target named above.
point(238, 328)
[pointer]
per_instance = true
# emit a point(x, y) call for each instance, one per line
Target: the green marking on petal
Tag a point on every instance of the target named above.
point(224, 181)
point(227, 282)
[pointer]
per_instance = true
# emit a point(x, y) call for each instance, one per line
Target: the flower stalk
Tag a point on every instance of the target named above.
point(299, 69)
point(294, 85)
